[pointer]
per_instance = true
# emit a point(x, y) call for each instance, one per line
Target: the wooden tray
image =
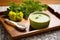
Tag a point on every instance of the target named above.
point(15, 34)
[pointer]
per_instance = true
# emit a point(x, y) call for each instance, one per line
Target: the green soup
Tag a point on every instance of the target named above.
point(39, 20)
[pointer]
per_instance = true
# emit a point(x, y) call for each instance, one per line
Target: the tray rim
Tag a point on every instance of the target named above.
point(43, 30)
point(35, 32)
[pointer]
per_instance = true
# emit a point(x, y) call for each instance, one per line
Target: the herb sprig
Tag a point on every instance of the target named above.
point(27, 7)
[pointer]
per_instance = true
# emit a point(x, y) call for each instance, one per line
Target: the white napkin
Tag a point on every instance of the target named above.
point(20, 26)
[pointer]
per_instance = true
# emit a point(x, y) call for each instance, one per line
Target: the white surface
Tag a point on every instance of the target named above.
point(56, 7)
point(3, 8)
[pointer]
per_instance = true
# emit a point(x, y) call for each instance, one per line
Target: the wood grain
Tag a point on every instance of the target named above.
point(15, 34)
point(6, 2)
